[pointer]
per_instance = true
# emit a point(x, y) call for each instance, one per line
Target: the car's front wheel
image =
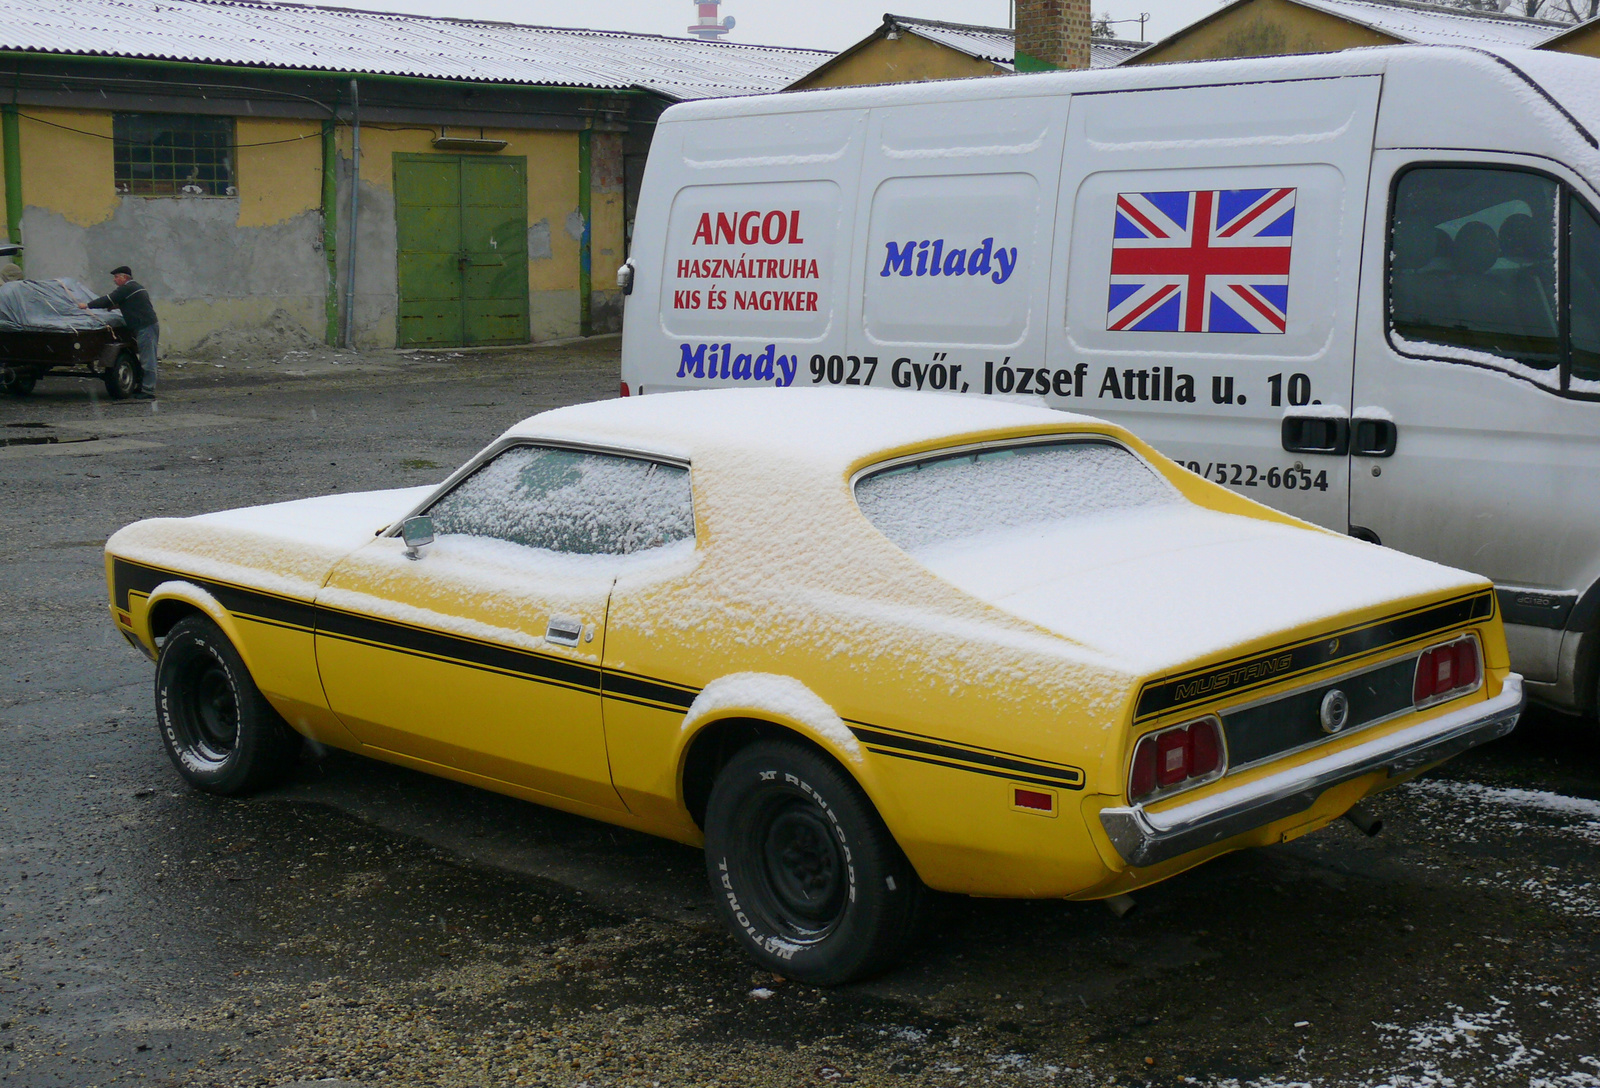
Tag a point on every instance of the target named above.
point(803, 869)
point(219, 730)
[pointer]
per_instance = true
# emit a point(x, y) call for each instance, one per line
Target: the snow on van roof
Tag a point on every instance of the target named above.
point(1365, 61)
point(830, 427)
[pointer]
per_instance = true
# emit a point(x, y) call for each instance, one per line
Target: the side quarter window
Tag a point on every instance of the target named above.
point(1472, 267)
point(571, 501)
point(1584, 250)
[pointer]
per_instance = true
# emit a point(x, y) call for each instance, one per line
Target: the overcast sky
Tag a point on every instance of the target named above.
point(816, 24)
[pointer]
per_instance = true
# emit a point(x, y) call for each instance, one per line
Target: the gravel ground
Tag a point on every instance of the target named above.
point(367, 925)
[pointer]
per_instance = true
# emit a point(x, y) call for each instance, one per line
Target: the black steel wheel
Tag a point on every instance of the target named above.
point(219, 730)
point(17, 383)
point(802, 868)
point(122, 376)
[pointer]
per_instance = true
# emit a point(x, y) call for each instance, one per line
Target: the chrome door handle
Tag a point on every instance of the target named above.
point(563, 631)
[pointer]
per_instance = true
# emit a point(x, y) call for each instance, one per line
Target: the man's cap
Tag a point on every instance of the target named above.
point(122, 270)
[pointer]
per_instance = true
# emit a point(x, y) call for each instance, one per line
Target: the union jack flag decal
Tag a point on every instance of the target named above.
point(1213, 260)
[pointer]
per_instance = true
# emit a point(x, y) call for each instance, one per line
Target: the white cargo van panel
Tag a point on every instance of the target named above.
point(752, 260)
point(764, 141)
point(1295, 113)
point(971, 184)
point(968, 285)
point(950, 130)
point(1205, 278)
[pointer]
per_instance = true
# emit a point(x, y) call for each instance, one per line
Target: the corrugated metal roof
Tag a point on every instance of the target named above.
point(997, 44)
point(1110, 52)
point(299, 36)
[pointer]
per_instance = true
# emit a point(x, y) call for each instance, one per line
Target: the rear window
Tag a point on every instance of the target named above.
point(951, 498)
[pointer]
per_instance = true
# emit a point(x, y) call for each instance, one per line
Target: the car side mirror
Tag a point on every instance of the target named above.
point(625, 277)
point(417, 533)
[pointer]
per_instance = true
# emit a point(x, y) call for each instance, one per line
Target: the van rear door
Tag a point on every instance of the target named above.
point(1205, 273)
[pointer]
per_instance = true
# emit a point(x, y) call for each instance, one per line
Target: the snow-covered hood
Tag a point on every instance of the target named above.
point(1166, 586)
point(284, 547)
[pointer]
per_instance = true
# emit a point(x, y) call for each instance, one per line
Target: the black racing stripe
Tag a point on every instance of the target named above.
point(399, 636)
point(1004, 766)
point(1052, 783)
point(1258, 670)
point(644, 690)
point(128, 577)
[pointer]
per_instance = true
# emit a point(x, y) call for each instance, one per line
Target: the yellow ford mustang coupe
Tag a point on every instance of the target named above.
point(856, 643)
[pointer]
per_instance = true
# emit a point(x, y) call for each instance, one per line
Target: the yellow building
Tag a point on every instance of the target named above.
point(905, 50)
point(1254, 28)
point(1583, 39)
point(211, 145)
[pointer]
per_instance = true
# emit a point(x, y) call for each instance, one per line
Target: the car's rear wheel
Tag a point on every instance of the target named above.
point(803, 869)
point(122, 376)
point(219, 730)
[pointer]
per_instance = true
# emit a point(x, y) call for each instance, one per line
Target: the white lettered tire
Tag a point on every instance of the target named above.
point(803, 869)
point(219, 730)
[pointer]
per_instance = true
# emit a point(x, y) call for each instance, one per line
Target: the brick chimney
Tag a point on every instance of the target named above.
point(1052, 34)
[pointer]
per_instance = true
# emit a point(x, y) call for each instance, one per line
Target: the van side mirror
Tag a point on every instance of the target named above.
point(417, 533)
point(625, 277)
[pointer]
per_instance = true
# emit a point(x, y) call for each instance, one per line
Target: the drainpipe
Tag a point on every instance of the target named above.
point(355, 211)
point(585, 179)
point(11, 152)
point(330, 227)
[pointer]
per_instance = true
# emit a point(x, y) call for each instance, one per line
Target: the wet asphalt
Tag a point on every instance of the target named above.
point(368, 925)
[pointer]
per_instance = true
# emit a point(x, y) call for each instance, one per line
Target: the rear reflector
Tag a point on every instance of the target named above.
point(1034, 801)
point(1446, 671)
point(624, 388)
point(1174, 758)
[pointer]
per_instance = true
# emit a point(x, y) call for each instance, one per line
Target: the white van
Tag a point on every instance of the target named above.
point(1362, 287)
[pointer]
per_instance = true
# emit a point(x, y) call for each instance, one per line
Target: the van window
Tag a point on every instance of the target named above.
point(1584, 250)
point(1472, 265)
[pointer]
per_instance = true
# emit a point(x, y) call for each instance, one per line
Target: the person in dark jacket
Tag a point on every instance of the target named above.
point(140, 315)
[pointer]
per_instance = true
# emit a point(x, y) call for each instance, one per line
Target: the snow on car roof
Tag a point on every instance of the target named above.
point(835, 428)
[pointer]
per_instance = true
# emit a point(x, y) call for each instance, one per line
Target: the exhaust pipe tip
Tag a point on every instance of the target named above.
point(1367, 823)
point(1120, 905)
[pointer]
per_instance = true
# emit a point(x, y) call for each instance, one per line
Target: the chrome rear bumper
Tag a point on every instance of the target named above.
point(1147, 838)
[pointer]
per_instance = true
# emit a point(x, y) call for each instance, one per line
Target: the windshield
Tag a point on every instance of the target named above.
point(954, 498)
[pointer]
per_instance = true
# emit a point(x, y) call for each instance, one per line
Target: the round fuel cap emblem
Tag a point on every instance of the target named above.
point(1335, 711)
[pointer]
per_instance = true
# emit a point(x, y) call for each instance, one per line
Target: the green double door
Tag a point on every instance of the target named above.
point(463, 249)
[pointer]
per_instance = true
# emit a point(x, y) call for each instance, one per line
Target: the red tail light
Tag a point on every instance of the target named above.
point(1446, 671)
point(624, 388)
point(1176, 758)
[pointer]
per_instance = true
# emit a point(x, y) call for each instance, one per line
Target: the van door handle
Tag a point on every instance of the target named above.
point(1316, 434)
point(1372, 437)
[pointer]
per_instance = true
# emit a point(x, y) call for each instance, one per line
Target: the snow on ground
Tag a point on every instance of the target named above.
point(1473, 812)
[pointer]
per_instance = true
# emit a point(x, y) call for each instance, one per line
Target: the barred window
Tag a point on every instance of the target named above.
point(173, 154)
